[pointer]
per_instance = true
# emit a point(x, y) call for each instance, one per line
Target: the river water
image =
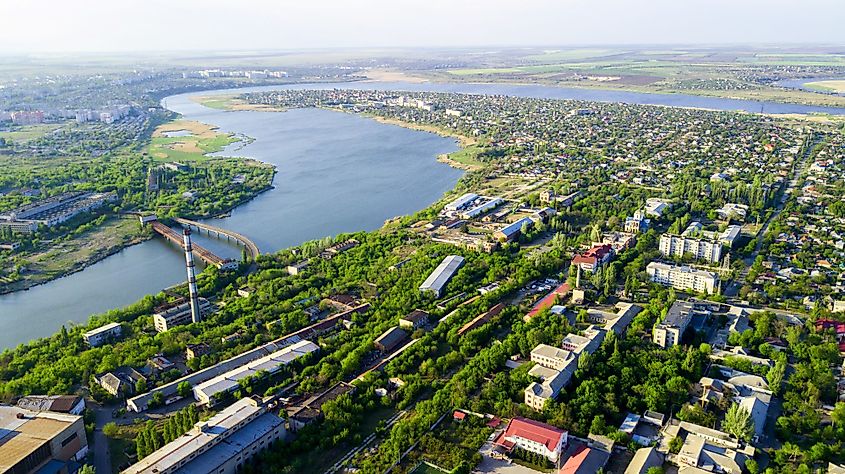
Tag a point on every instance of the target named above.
point(336, 173)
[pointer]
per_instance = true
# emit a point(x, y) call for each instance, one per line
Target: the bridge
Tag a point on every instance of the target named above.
point(203, 253)
point(219, 232)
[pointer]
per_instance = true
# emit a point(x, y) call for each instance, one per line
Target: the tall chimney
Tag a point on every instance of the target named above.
point(192, 277)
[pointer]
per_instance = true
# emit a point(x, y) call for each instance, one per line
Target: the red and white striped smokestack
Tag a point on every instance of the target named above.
point(192, 277)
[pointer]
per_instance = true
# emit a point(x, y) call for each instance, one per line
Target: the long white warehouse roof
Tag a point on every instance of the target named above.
point(269, 363)
point(442, 274)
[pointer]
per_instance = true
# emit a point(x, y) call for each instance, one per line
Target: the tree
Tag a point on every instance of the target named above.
point(87, 469)
point(752, 466)
point(676, 444)
point(110, 429)
point(141, 386)
point(156, 400)
point(655, 470)
point(184, 388)
point(738, 422)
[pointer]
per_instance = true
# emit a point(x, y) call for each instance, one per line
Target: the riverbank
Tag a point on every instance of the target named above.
point(78, 254)
point(463, 159)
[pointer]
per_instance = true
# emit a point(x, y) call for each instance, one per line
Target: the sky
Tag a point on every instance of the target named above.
point(33, 26)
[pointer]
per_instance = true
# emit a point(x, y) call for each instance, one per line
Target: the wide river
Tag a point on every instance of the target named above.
point(336, 173)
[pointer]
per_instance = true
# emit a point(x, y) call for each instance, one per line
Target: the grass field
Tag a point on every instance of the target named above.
point(466, 157)
point(63, 257)
point(837, 86)
point(232, 102)
point(29, 132)
point(202, 140)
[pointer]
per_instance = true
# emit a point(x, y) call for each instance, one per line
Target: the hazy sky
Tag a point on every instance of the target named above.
point(158, 25)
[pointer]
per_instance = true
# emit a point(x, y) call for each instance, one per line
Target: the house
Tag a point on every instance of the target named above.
point(585, 460)
point(594, 258)
point(40, 441)
point(709, 449)
point(245, 291)
point(119, 382)
point(414, 320)
point(643, 459)
point(390, 339)
point(733, 211)
point(533, 436)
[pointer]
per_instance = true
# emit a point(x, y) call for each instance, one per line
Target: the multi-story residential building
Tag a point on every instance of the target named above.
point(221, 445)
point(698, 248)
point(683, 277)
point(103, 334)
point(533, 436)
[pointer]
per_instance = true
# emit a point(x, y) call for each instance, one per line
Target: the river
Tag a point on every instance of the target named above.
point(336, 173)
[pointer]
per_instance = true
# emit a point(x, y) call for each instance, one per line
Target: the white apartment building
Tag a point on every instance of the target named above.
point(683, 277)
point(700, 249)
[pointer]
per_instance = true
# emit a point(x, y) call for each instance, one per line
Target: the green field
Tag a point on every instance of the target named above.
point(29, 132)
point(827, 86)
point(468, 156)
point(202, 140)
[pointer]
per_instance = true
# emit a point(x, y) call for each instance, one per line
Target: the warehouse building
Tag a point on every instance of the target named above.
point(40, 441)
point(221, 445)
point(441, 275)
point(207, 391)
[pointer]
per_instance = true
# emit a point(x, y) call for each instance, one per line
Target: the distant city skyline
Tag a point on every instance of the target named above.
point(36, 26)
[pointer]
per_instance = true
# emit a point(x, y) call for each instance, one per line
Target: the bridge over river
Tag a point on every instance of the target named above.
point(203, 253)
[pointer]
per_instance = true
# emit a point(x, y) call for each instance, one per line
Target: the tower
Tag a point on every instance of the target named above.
point(192, 277)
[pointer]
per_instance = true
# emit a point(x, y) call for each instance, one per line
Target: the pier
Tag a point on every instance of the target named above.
point(219, 232)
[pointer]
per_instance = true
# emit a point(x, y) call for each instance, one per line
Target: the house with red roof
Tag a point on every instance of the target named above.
point(838, 327)
point(595, 258)
point(585, 460)
point(533, 436)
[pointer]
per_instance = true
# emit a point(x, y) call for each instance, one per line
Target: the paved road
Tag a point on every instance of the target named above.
point(102, 457)
point(799, 167)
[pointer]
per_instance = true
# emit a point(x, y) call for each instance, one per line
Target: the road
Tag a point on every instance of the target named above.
point(798, 168)
point(367, 441)
point(102, 456)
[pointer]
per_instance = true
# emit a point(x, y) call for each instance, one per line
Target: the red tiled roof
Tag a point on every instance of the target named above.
point(535, 431)
point(825, 324)
point(548, 300)
point(459, 415)
point(575, 461)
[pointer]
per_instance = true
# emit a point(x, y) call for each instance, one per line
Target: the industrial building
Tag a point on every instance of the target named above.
point(70, 404)
point(512, 231)
point(53, 211)
point(414, 320)
point(179, 315)
point(103, 334)
point(141, 402)
point(40, 441)
point(441, 275)
point(221, 445)
point(683, 277)
point(461, 202)
point(270, 364)
point(390, 339)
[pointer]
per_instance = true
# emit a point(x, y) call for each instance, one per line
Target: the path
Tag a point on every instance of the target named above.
point(367, 441)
